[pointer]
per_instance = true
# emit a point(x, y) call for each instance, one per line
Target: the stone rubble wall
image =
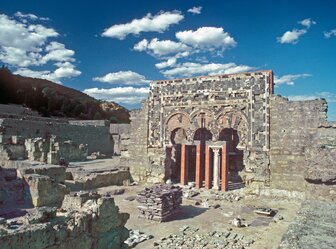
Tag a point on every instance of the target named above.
point(85, 222)
point(97, 138)
point(144, 162)
point(303, 148)
point(118, 131)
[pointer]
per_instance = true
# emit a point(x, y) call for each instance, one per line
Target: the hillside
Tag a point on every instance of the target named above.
point(51, 99)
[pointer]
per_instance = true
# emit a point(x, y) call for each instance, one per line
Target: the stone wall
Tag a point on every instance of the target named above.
point(302, 147)
point(135, 153)
point(118, 131)
point(98, 138)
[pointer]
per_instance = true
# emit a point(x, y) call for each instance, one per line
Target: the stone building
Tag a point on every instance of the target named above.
point(227, 131)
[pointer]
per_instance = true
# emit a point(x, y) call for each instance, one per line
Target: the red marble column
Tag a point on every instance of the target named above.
point(225, 166)
point(184, 166)
point(207, 167)
point(198, 177)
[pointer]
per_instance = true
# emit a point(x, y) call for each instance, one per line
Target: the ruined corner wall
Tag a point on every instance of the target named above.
point(298, 152)
point(97, 137)
point(144, 163)
point(84, 223)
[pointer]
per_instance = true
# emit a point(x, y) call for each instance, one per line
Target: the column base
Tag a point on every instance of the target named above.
point(215, 188)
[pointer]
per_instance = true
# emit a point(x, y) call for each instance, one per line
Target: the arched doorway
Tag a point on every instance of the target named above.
point(235, 157)
point(173, 154)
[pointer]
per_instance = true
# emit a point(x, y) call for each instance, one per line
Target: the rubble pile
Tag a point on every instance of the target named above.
point(159, 202)
point(193, 238)
point(136, 237)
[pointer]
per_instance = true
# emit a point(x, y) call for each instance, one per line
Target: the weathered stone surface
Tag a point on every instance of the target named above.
point(55, 172)
point(314, 227)
point(320, 165)
point(76, 228)
point(44, 191)
point(84, 180)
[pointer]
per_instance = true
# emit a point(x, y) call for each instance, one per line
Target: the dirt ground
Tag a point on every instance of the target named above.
point(262, 229)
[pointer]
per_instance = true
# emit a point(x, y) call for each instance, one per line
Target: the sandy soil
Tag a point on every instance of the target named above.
point(265, 232)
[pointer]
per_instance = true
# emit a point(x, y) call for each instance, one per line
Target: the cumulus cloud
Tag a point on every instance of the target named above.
point(189, 69)
point(123, 78)
point(168, 63)
point(160, 48)
point(195, 10)
point(289, 79)
point(307, 22)
point(149, 23)
point(64, 70)
point(207, 38)
point(23, 45)
point(58, 52)
point(330, 33)
point(121, 95)
point(291, 36)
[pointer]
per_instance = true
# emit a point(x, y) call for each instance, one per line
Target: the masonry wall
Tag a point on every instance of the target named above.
point(143, 162)
point(98, 138)
point(302, 147)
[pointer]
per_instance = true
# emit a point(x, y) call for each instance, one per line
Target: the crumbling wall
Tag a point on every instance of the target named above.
point(119, 131)
point(40, 185)
point(303, 148)
point(135, 154)
point(98, 138)
point(85, 222)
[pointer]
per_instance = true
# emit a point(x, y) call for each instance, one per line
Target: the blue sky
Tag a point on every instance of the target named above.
point(112, 49)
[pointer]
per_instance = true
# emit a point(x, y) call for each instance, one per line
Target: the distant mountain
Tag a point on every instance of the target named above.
point(51, 99)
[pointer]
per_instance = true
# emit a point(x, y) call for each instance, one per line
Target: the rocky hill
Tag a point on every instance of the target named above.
point(51, 99)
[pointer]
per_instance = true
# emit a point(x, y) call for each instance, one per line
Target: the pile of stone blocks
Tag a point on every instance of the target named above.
point(159, 202)
point(94, 223)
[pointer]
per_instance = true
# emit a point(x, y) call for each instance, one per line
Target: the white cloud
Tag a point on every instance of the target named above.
point(21, 15)
point(123, 77)
point(64, 70)
point(207, 38)
point(161, 48)
point(23, 45)
point(58, 52)
point(195, 10)
point(330, 97)
point(307, 22)
point(25, 17)
point(289, 78)
point(169, 63)
point(149, 23)
point(189, 69)
point(330, 33)
point(22, 36)
point(291, 36)
point(121, 95)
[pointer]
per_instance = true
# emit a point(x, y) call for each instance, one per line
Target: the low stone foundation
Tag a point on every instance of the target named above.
point(94, 223)
point(84, 180)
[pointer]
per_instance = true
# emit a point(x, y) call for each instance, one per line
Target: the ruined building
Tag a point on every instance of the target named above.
point(229, 131)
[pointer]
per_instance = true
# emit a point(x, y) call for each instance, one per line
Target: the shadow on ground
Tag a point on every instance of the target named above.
point(189, 211)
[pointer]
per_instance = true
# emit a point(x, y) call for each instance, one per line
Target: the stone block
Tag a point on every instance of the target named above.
point(44, 191)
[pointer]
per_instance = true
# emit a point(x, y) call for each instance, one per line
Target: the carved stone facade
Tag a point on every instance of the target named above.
point(208, 110)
